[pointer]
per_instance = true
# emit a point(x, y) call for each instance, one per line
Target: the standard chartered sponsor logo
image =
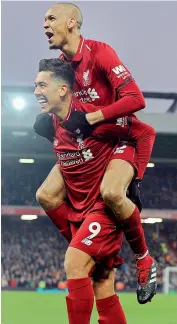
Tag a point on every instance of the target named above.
point(71, 158)
point(80, 93)
point(72, 162)
point(62, 156)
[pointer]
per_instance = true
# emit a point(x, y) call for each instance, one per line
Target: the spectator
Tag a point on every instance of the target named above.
point(33, 253)
point(20, 182)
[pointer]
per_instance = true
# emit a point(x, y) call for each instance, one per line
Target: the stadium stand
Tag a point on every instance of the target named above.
point(33, 252)
point(20, 182)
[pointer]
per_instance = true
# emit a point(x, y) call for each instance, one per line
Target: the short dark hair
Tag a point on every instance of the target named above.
point(59, 69)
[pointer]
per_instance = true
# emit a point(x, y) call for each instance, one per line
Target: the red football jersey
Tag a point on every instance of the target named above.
point(102, 78)
point(83, 162)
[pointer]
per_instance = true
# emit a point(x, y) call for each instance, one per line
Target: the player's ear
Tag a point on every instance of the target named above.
point(63, 90)
point(71, 23)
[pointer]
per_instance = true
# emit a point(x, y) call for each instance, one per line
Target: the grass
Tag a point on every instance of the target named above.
point(36, 308)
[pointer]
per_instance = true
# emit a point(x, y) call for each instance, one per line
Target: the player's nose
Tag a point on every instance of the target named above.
point(36, 91)
point(46, 24)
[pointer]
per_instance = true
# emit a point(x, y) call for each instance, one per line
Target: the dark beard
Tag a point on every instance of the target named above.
point(54, 47)
point(58, 47)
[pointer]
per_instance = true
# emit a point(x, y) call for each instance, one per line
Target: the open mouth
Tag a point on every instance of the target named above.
point(49, 35)
point(42, 102)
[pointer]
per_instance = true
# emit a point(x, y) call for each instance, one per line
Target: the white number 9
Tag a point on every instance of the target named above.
point(94, 231)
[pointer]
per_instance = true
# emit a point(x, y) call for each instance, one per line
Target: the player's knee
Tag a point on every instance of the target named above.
point(113, 198)
point(77, 264)
point(104, 288)
point(46, 200)
point(153, 132)
point(150, 130)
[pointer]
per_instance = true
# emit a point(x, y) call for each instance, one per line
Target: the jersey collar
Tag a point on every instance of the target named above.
point(60, 122)
point(79, 53)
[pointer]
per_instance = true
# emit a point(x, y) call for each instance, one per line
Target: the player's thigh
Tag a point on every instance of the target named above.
point(105, 287)
point(120, 171)
point(54, 185)
point(98, 237)
point(77, 263)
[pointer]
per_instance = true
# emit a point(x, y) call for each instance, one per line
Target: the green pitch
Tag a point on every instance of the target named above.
point(36, 308)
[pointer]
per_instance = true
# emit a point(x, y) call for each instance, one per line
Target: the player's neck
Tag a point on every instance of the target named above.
point(64, 108)
point(70, 48)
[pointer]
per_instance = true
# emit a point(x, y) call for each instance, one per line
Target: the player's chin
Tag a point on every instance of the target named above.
point(54, 46)
point(45, 110)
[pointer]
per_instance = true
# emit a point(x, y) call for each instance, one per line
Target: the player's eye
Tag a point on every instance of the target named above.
point(52, 18)
point(42, 86)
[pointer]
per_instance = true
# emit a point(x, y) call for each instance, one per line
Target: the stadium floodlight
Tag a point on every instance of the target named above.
point(152, 220)
point(18, 103)
point(28, 217)
point(151, 165)
point(30, 161)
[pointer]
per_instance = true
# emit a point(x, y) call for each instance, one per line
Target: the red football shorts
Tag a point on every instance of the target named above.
point(126, 152)
point(97, 236)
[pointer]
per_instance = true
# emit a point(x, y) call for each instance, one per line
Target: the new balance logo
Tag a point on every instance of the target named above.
point(119, 69)
point(87, 241)
point(93, 94)
point(87, 155)
point(120, 149)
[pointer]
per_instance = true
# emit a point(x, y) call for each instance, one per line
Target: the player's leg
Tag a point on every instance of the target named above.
point(107, 302)
point(51, 196)
point(91, 242)
point(81, 296)
point(117, 178)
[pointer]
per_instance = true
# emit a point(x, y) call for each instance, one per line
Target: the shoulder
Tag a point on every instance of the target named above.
point(99, 47)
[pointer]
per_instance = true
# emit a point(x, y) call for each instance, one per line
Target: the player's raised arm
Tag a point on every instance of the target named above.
point(129, 98)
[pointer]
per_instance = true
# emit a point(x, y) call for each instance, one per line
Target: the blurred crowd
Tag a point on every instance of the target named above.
point(33, 251)
point(159, 188)
point(20, 182)
point(33, 254)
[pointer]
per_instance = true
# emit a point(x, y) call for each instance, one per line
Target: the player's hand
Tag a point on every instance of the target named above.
point(43, 126)
point(95, 117)
point(78, 124)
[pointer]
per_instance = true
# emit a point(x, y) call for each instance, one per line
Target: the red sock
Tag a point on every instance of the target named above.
point(134, 233)
point(144, 150)
point(110, 311)
point(145, 137)
point(80, 300)
point(59, 216)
